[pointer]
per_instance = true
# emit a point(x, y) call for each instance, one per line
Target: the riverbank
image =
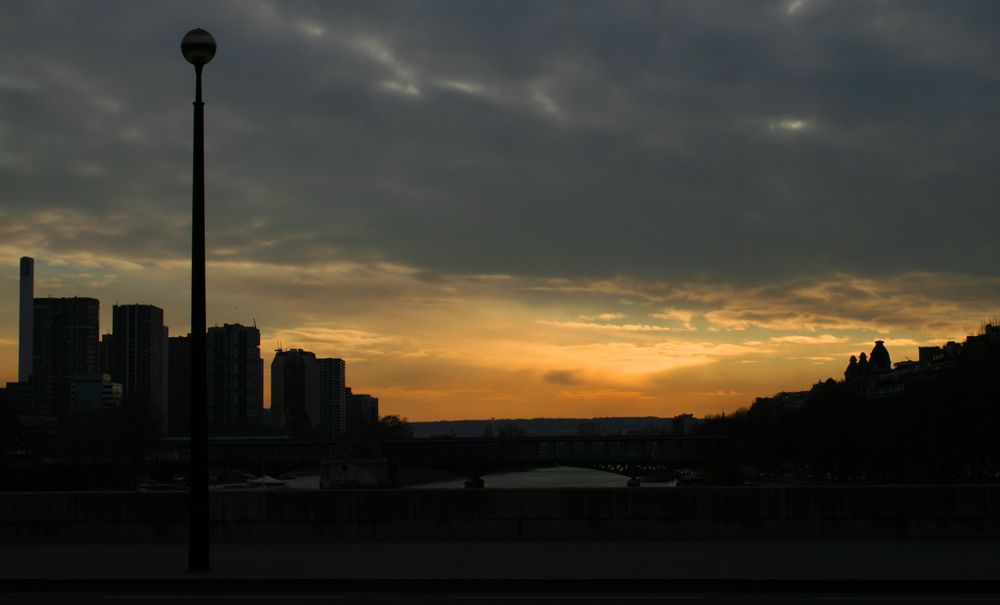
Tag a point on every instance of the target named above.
point(965, 512)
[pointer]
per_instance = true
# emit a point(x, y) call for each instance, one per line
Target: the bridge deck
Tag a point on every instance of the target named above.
point(612, 453)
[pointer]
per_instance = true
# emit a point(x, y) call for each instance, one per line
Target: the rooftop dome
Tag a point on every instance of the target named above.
point(879, 359)
point(852, 369)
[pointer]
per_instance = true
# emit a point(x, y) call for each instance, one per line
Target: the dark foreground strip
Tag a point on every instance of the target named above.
point(203, 584)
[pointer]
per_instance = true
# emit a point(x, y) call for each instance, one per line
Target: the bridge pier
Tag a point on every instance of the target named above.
point(633, 482)
point(475, 483)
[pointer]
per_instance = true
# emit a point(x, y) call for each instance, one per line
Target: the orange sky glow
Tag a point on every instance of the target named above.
point(503, 346)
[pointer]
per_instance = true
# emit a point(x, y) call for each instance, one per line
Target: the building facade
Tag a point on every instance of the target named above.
point(235, 377)
point(332, 397)
point(362, 414)
point(295, 391)
point(139, 359)
point(64, 344)
point(96, 392)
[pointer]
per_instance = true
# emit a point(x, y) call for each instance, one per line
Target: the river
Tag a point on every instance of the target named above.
point(559, 476)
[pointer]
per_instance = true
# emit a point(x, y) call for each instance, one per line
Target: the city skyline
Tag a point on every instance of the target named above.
point(630, 210)
point(267, 390)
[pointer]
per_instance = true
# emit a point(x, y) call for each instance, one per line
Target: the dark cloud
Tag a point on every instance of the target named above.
point(563, 377)
point(652, 140)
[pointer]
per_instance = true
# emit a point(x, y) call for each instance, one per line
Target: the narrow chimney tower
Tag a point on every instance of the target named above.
point(25, 335)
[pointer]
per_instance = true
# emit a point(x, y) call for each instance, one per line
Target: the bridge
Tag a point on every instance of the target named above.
point(625, 455)
point(630, 455)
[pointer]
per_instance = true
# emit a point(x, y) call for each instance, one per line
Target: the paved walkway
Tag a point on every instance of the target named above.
point(860, 561)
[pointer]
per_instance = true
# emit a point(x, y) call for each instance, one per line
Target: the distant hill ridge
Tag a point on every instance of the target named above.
point(553, 427)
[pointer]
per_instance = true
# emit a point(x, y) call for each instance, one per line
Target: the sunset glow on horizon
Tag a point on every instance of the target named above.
point(519, 210)
point(501, 346)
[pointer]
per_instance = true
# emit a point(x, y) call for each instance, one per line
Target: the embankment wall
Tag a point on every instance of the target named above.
point(695, 513)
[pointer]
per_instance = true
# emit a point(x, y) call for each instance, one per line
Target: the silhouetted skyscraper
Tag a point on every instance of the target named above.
point(137, 358)
point(64, 344)
point(235, 376)
point(362, 413)
point(26, 324)
point(295, 390)
point(332, 396)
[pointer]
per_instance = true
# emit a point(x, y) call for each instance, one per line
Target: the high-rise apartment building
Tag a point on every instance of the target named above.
point(64, 344)
point(235, 377)
point(332, 397)
point(295, 391)
point(362, 414)
point(138, 358)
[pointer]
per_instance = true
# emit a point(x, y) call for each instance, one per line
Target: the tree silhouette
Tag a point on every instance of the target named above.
point(392, 427)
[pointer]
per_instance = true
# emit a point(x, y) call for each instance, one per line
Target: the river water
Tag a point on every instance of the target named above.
point(559, 476)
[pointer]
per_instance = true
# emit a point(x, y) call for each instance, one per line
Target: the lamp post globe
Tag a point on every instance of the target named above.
point(198, 47)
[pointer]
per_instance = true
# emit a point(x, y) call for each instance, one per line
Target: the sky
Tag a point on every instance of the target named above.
point(514, 208)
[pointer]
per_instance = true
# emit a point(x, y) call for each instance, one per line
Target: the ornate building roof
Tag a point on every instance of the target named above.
point(879, 359)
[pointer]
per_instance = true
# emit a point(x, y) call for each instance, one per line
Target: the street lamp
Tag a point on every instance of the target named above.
point(198, 47)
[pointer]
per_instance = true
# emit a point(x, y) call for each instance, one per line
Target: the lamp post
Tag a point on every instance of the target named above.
point(198, 47)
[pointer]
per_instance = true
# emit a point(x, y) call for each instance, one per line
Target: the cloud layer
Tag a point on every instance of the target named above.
point(531, 205)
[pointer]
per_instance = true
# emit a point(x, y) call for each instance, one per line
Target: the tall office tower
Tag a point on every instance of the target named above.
point(332, 397)
point(295, 390)
point(235, 377)
point(24, 350)
point(179, 385)
point(137, 351)
point(362, 414)
point(64, 344)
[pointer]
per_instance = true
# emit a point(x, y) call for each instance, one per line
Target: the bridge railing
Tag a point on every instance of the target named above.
point(662, 449)
point(451, 452)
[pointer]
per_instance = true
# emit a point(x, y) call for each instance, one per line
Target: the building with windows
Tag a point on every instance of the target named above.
point(362, 414)
point(235, 377)
point(96, 392)
point(295, 391)
point(332, 397)
point(64, 344)
point(139, 359)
